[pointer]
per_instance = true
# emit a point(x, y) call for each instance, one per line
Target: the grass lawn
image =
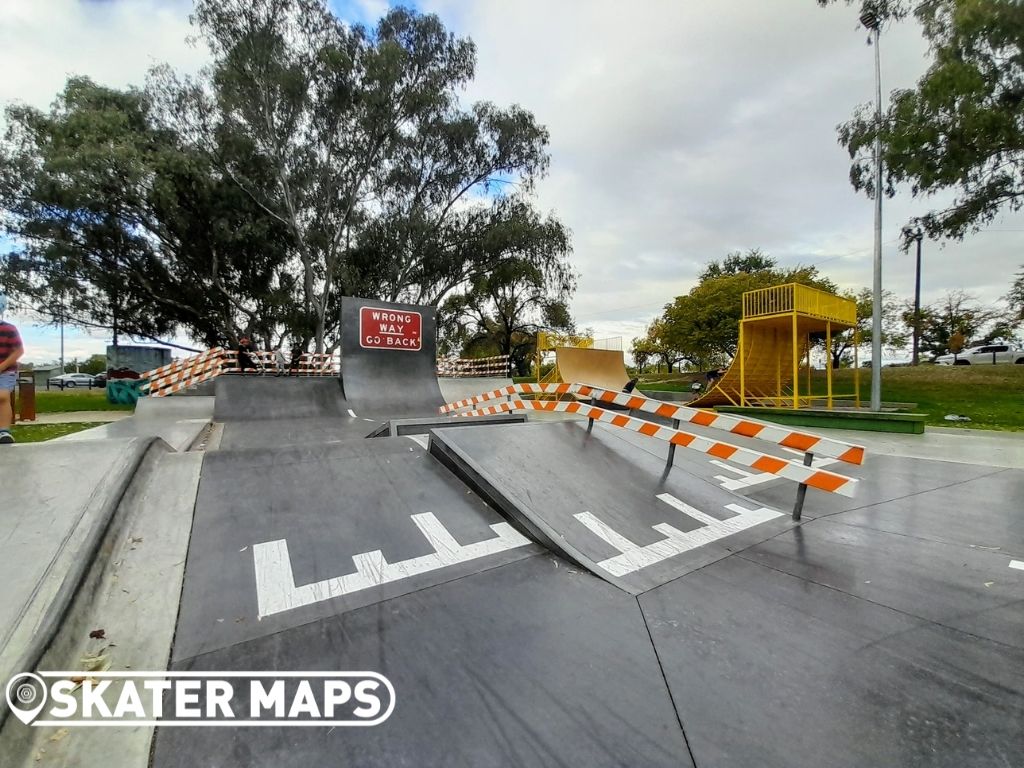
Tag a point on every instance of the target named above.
point(992, 396)
point(55, 401)
point(42, 432)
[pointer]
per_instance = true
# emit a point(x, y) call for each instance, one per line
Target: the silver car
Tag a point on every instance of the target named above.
point(71, 380)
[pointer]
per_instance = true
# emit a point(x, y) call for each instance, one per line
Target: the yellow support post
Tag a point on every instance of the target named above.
point(778, 368)
point(796, 366)
point(856, 367)
point(828, 362)
point(810, 389)
point(743, 372)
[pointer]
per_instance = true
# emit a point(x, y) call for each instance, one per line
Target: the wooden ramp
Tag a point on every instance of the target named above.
point(768, 371)
point(600, 367)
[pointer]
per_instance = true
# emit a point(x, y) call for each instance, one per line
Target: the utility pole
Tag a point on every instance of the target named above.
point(62, 334)
point(916, 235)
point(869, 18)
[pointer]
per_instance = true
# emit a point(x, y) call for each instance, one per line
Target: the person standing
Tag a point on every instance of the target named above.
point(245, 352)
point(11, 350)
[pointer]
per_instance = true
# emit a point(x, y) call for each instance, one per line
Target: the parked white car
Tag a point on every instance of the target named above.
point(990, 354)
point(71, 380)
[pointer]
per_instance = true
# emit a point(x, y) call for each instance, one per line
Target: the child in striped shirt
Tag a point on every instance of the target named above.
point(11, 350)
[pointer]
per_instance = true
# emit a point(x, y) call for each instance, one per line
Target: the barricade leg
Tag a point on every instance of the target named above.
point(801, 491)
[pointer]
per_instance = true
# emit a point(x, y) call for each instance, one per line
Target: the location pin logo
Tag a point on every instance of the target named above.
point(26, 696)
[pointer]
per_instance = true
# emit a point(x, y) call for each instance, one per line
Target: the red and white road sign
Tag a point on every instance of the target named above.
point(390, 329)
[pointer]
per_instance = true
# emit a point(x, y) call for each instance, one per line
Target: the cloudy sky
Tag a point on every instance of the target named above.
point(680, 131)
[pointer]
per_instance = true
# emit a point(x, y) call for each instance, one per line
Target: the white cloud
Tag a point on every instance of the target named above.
point(42, 42)
point(683, 130)
point(679, 130)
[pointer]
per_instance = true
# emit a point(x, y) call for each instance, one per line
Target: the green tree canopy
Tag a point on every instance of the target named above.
point(702, 326)
point(123, 226)
point(387, 185)
point(958, 312)
point(312, 159)
point(960, 131)
point(501, 311)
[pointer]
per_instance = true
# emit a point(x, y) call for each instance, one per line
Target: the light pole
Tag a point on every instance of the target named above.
point(869, 18)
point(917, 235)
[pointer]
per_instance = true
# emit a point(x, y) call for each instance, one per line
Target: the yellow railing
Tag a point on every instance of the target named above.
point(794, 297)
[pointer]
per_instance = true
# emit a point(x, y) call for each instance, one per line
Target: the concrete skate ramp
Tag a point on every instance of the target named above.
point(424, 424)
point(179, 434)
point(260, 398)
point(597, 500)
point(175, 407)
point(389, 381)
point(57, 501)
point(600, 367)
point(525, 665)
point(307, 515)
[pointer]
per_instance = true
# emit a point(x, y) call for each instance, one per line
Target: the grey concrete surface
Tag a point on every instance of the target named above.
point(596, 501)
point(966, 446)
point(179, 434)
point(131, 592)
point(883, 630)
point(389, 383)
point(175, 407)
point(531, 664)
point(263, 398)
point(58, 501)
point(349, 498)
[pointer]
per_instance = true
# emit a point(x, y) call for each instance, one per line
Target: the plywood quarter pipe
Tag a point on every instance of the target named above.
point(599, 367)
point(768, 372)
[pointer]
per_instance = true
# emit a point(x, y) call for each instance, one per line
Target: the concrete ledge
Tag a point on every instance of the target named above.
point(62, 499)
point(130, 590)
point(905, 423)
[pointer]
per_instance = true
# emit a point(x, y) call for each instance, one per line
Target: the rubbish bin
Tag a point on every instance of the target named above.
point(26, 399)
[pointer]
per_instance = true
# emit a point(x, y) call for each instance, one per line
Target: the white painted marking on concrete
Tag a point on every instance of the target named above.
point(1018, 564)
point(276, 590)
point(633, 557)
point(746, 479)
point(351, 413)
point(817, 461)
point(731, 468)
point(423, 440)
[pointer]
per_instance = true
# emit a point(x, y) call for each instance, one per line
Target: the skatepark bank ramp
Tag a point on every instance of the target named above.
point(389, 358)
point(600, 367)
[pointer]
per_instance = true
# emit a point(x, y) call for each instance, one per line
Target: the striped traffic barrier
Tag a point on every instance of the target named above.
point(805, 475)
point(745, 427)
point(175, 377)
point(193, 371)
point(496, 365)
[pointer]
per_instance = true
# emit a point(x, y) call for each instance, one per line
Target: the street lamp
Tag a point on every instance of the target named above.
point(869, 18)
point(916, 235)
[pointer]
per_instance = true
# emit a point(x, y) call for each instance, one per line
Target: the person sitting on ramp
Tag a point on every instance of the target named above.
point(295, 364)
point(245, 361)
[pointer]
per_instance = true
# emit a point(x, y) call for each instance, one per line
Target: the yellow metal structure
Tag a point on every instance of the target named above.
point(774, 339)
